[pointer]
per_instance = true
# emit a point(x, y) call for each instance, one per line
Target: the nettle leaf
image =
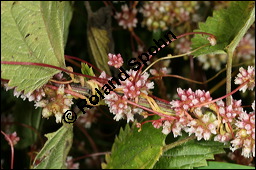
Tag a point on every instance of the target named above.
point(87, 70)
point(54, 153)
point(189, 155)
point(33, 31)
point(136, 150)
point(99, 36)
point(224, 165)
point(228, 25)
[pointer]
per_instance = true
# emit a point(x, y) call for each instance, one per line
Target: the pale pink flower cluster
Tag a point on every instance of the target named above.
point(204, 126)
point(229, 113)
point(246, 47)
point(183, 46)
point(164, 14)
point(188, 99)
point(36, 95)
point(118, 106)
point(225, 123)
point(87, 119)
point(115, 60)
point(127, 18)
point(134, 86)
point(14, 138)
point(245, 135)
point(246, 75)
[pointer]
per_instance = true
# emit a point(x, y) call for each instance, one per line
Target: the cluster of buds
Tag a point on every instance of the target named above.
point(127, 18)
point(164, 14)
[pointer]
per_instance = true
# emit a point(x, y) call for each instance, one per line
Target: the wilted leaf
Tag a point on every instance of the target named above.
point(33, 31)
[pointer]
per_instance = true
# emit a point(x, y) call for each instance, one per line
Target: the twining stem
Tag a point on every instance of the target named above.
point(220, 98)
point(91, 155)
point(83, 61)
point(229, 76)
point(50, 66)
point(12, 148)
point(176, 56)
point(174, 144)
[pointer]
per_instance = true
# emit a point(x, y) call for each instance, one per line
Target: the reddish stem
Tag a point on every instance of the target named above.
point(212, 101)
point(155, 112)
point(12, 148)
point(91, 155)
point(83, 61)
point(66, 91)
point(179, 77)
point(180, 36)
point(50, 66)
point(157, 98)
point(27, 126)
point(94, 146)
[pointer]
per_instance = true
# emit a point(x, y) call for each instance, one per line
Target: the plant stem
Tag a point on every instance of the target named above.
point(12, 148)
point(172, 145)
point(229, 76)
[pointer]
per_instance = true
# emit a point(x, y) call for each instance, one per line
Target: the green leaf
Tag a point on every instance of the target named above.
point(136, 150)
point(224, 165)
point(54, 153)
point(33, 31)
point(228, 25)
point(189, 155)
point(87, 70)
point(99, 35)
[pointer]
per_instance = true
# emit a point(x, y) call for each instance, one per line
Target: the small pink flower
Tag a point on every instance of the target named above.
point(115, 60)
point(246, 75)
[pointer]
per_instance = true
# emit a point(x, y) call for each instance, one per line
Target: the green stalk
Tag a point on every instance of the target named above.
point(229, 76)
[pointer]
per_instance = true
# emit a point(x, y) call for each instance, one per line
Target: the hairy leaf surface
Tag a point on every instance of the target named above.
point(33, 31)
point(54, 153)
point(228, 25)
point(136, 150)
point(189, 155)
